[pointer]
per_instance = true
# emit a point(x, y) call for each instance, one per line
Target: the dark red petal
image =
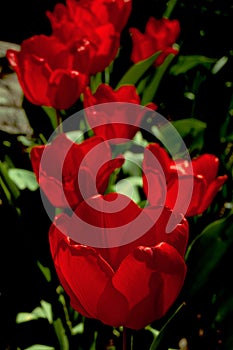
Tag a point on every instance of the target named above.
point(33, 74)
point(178, 237)
point(143, 46)
point(106, 171)
point(155, 155)
point(119, 12)
point(113, 307)
point(79, 268)
point(35, 158)
point(211, 192)
point(154, 187)
point(207, 166)
point(191, 189)
point(127, 93)
point(161, 58)
point(150, 279)
point(65, 88)
point(106, 49)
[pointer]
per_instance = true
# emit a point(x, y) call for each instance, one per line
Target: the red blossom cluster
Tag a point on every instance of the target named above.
point(136, 282)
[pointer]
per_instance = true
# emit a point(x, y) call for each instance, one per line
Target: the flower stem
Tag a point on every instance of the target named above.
point(127, 339)
point(59, 121)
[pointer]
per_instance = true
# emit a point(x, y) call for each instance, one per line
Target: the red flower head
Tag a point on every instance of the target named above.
point(138, 279)
point(173, 176)
point(50, 73)
point(99, 12)
point(68, 172)
point(114, 121)
point(160, 35)
point(77, 24)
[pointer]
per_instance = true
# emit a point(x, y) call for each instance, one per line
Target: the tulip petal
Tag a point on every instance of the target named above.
point(82, 272)
point(150, 279)
point(65, 87)
point(207, 166)
point(211, 192)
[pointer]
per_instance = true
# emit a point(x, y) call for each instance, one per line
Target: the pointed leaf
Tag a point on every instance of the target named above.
point(206, 252)
point(47, 309)
point(45, 270)
point(185, 63)
point(40, 347)
point(23, 179)
point(136, 71)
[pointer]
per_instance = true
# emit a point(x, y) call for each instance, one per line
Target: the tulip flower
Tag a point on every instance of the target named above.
point(68, 172)
point(159, 35)
point(81, 26)
point(114, 121)
point(173, 176)
point(131, 284)
point(50, 73)
point(94, 12)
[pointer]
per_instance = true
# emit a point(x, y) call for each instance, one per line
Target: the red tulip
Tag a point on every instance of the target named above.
point(114, 121)
point(50, 73)
point(77, 24)
point(134, 283)
point(100, 12)
point(68, 172)
point(181, 175)
point(159, 35)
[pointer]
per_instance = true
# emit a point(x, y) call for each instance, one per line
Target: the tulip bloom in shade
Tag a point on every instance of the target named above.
point(159, 35)
point(114, 121)
point(101, 11)
point(173, 176)
point(134, 283)
point(100, 39)
point(50, 73)
point(68, 172)
point(92, 13)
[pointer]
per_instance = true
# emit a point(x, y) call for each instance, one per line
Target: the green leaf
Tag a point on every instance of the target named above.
point(23, 178)
point(205, 253)
point(40, 347)
point(25, 317)
point(76, 136)
point(139, 140)
point(130, 187)
point(132, 164)
point(51, 113)
point(78, 329)
point(47, 309)
point(185, 63)
point(219, 64)
point(162, 337)
point(224, 309)
point(194, 129)
point(189, 125)
point(45, 270)
point(136, 71)
point(61, 334)
point(8, 186)
point(151, 88)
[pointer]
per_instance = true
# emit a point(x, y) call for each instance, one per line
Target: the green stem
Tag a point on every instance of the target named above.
point(107, 75)
point(59, 121)
point(170, 7)
point(162, 334)
point(152, 87)
point(95, 81)
point(8, 186)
